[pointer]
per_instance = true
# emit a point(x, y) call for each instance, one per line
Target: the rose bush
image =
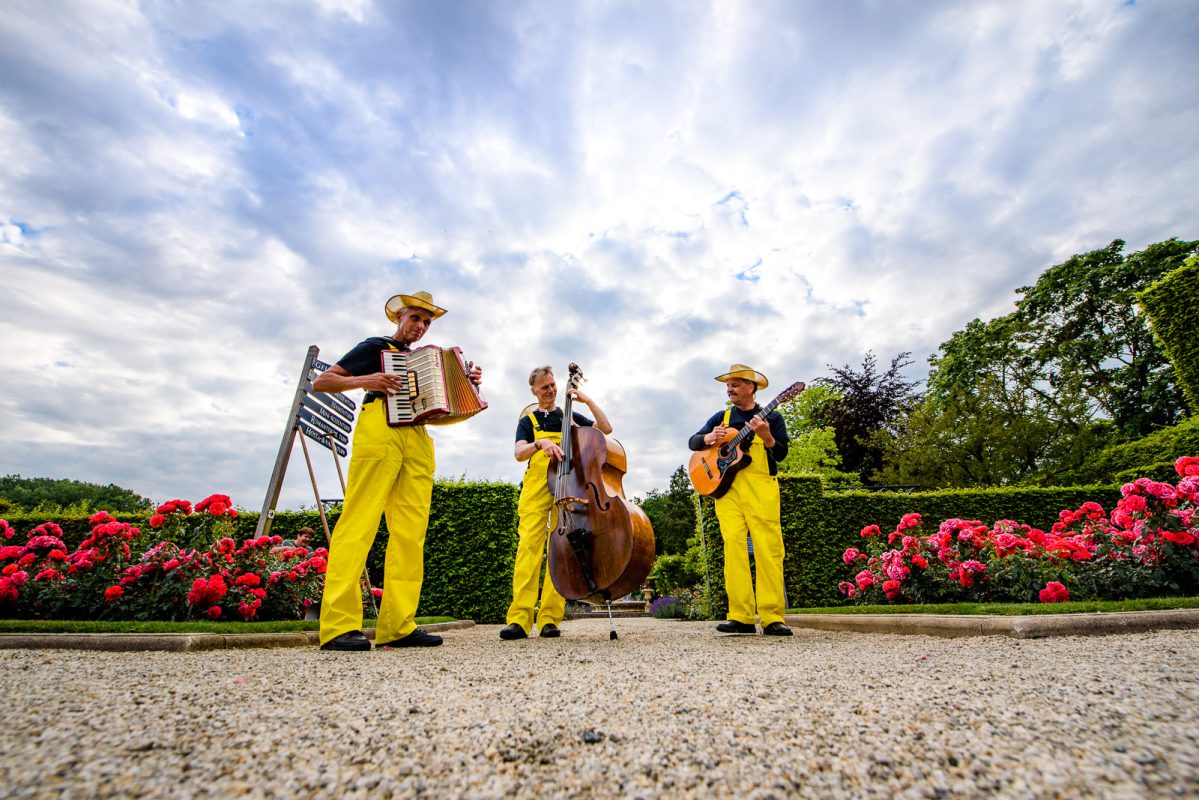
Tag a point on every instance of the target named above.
point(197, 572)
point(1148, 546)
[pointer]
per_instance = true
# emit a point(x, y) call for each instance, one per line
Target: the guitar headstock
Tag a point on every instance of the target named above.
point(791, 392)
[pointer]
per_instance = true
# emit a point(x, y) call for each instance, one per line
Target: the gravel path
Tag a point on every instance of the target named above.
point(670, 710)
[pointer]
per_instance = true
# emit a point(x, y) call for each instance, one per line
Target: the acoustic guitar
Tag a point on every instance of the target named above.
point(712, 470)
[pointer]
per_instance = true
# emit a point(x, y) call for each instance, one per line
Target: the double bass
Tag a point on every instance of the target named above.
point(603, 545)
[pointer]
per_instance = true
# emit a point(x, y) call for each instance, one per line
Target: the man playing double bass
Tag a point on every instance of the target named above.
point(750, 507)
point(538, 438)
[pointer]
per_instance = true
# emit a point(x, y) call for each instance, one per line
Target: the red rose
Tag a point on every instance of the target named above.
point(113, 593)
point(865, 578)
point(213, 612)
point(1187, 466)
point(1054, 592)
point(156, 521)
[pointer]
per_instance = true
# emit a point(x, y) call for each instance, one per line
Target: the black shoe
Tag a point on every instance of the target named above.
point(776, 629)
point(549, 631)
point(513, 631)
point(418, 638)
point(350, 640)
point(732, 626)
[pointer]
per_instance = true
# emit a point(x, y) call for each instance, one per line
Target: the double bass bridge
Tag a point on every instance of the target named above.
point(571, 503)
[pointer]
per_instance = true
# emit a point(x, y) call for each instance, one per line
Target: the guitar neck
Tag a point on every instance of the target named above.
point(745, 432)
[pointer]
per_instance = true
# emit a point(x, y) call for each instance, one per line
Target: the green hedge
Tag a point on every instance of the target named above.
point(1172, 305)
point(469, 548)
point(469, 552)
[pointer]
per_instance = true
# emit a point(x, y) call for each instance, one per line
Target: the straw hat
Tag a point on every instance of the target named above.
point(399, 302)
point(745, 373)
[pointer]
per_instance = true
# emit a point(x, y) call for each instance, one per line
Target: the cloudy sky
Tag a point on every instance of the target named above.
point(192, 193)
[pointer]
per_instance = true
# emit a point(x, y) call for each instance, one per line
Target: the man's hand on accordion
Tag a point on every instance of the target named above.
point(475, 373)
point(384, 382)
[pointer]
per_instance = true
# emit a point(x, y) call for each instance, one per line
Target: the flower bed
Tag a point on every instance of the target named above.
point(194, 571)
point(1148, 546)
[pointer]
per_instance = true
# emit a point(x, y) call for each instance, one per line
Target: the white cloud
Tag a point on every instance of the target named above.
point(194, 194)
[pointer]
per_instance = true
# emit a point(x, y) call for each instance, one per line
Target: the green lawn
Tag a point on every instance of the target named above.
point(79, 626)
point(1013, 609)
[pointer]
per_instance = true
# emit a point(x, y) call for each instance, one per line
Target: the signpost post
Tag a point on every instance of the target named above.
point(326, 419)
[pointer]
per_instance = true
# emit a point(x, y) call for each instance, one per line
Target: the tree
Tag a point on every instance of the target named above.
point(1085, 331)
point(672, 513)
point(868, 402)
point(982, 438)
point(51, 495)
point(1031, 395)
point(813, 447)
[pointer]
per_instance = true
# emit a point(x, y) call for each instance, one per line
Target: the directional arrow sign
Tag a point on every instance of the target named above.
point(320, 424)
point(321, 438)
point(325, 414)
point(337, 408)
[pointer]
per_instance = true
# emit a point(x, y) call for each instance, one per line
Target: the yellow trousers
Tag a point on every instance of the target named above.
point(751, 507)
point(391, 472)
point(536, 509)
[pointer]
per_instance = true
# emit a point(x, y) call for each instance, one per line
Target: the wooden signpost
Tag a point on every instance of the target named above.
point(328, 420)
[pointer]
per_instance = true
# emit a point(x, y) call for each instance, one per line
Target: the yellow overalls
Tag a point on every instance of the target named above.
point(536, 509)
point(391, 472)
point(751, 507)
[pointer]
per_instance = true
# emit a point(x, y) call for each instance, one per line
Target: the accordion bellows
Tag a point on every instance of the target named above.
point(438, 388)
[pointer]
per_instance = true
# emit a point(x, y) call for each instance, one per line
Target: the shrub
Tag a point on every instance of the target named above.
point(1164, 444)
point(671, 573)
point(1148, 546)
point(110, 575)
point(668, 608)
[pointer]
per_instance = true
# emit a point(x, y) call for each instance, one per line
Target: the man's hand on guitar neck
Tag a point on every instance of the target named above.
point(762, 429)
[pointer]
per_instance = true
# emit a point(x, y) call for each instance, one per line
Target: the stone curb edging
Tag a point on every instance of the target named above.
point(180, 642)
point(1028, 627)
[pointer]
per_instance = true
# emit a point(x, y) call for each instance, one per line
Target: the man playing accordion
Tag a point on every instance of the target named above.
point(391, 472)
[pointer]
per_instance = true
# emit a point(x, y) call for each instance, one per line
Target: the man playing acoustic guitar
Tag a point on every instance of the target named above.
point(750, 506)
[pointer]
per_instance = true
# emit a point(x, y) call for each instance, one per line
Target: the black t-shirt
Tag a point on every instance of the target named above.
point(550, 422)
point(364, 358)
